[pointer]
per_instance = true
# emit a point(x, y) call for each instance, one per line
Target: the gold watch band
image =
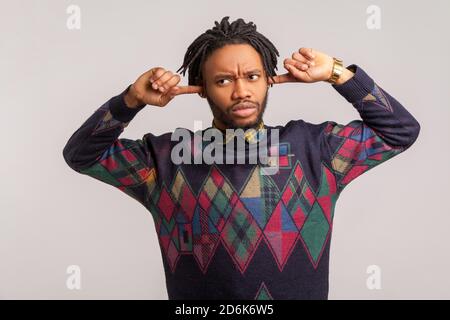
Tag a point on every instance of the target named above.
point(338, 68)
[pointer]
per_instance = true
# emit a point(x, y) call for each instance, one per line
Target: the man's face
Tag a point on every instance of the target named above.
point(236, 86)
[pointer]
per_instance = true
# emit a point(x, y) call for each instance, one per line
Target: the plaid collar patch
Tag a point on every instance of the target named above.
point(251, 135)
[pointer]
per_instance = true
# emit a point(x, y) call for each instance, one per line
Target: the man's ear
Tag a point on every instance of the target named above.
point(203, 94)
point(269, 81)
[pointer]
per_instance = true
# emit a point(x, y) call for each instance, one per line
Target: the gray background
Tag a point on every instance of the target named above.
point(395, 216)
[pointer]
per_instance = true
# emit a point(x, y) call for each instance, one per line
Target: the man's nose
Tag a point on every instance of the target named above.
point(241, 90)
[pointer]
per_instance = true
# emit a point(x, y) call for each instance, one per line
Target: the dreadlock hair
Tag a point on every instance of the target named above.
point(238, 32)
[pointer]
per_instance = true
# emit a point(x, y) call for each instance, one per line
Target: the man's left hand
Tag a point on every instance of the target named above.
point(306, 65)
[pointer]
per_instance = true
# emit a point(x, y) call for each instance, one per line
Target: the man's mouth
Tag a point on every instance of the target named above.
point(243, 110)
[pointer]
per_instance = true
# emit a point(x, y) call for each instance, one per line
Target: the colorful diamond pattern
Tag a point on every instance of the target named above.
point(195, 224)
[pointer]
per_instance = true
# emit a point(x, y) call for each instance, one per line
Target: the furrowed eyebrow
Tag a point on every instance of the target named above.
point(227, 74)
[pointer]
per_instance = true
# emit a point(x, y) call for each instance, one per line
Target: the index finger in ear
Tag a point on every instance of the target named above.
point(188, 89)
point(280, 79)
point(276, 79)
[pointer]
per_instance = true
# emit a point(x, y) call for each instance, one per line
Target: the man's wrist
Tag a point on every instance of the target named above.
point(131, 100)
point(119, 108)
point(345, 76)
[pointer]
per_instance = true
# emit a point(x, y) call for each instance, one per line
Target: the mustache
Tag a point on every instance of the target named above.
point(244, 105)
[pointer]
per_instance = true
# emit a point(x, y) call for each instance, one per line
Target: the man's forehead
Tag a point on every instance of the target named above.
point(234, 59)
point(227, 64)
point(232, 70)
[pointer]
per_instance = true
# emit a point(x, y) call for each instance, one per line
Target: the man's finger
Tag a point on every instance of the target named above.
point(300, 58)
point(156, 73)
point(307, 52)
point(187, 89)
point(297, 57)
point(298, 75)
point(172, 82)
point(282, 78)
point(297, 64)
point(165, 77)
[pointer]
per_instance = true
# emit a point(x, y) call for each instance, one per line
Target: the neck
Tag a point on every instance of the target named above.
point(219, 125)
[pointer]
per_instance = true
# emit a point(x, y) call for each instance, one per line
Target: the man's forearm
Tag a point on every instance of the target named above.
point(99, 132)
point(379, 110)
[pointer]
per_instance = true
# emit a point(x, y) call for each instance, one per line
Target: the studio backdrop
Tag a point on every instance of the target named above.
point(64, 235)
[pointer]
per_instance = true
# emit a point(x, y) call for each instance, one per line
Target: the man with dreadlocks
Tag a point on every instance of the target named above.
point(228, 231)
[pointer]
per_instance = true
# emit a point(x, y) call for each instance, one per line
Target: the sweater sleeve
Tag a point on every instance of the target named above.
point(96, 150)
point(386, 129)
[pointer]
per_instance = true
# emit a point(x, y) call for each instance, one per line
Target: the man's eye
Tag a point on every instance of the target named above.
point(221, 80)
point(252, 75)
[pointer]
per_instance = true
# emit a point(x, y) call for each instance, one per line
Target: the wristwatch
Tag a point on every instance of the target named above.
point(338, 68)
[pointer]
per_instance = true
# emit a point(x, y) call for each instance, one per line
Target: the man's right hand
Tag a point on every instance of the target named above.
point(147, 88)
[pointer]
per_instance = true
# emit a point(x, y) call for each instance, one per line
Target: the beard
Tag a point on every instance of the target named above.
point(229, 122)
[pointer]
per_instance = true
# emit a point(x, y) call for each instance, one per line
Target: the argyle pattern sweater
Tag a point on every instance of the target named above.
point(227, 231)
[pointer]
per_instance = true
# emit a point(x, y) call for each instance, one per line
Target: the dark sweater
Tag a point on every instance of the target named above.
point(226, 231)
